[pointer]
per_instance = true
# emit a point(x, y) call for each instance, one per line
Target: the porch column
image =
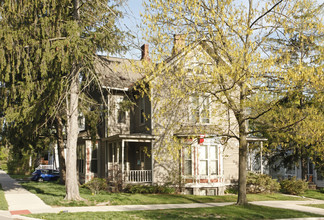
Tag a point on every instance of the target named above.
point(123, 156)
point(261, 165)
point(249, 157)
point(152, 162)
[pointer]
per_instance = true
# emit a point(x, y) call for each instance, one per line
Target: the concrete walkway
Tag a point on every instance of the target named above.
point(21, 201)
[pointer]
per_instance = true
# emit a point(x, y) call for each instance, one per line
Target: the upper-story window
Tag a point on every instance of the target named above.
point(81, 122)
point(142, 110)
point(199, 109)
point(121, 113)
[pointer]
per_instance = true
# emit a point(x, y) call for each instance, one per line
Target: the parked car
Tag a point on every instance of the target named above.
point(45, 175)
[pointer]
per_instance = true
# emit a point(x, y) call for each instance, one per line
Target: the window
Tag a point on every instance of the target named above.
point(208, 160)
point(187, 160)
point(199, 109)
point(142, 110)
point(121, 113)
point(81, 121)
point(94, 166)
point(80, 158)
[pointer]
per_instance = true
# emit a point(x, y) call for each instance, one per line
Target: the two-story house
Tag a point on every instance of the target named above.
point(137, 144)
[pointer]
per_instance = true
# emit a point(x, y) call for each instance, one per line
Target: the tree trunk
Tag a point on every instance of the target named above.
point(304, 165)
point(71, 184)
point(242, 200)
point(240, 116)
point(60, 148)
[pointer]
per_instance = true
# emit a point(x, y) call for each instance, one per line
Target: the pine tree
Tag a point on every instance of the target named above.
point(45, 48)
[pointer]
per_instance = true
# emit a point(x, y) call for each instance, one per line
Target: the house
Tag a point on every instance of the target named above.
point(138, 143)
point(313, 175)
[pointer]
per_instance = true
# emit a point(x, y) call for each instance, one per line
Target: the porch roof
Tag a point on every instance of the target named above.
point(256, 139)
point(137, 137)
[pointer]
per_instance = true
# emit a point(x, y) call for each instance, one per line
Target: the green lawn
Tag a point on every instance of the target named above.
point(314, 194)
point(3, 201)
point(53, 194)
point(227, 212)
point(317, 205)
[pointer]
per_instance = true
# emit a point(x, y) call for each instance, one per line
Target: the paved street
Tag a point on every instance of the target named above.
point(20, 201)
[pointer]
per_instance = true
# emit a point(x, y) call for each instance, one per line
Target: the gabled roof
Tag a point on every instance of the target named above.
point(117, 73)
point(201, 46)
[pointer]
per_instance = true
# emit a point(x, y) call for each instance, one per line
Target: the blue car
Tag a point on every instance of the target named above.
point(45, 175)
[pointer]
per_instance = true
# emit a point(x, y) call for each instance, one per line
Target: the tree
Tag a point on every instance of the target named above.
point(242, 75)
point(300, 49)
point(45, 49)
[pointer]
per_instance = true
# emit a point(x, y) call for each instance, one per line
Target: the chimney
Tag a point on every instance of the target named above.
point(179, 43)
point(145, 52)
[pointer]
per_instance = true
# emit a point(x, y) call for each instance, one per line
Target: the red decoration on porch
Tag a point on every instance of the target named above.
point(201, 139)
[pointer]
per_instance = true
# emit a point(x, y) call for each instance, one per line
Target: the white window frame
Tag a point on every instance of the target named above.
point(81, 122)
point(119, 100)
point(202, 100)
point(209, 160)
point(187, 153)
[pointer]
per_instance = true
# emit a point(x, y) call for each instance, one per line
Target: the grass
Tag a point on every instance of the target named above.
point(314, 194)
point(226, 212)
point(20, 176)
point(316, 205)
point(52, 193)
point(3, 201)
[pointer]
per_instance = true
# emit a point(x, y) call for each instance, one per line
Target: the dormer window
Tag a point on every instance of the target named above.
point(199, 109)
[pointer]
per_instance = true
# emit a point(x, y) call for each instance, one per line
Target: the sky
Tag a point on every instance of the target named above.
point(132, 22)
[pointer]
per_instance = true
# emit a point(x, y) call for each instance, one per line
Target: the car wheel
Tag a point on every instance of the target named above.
point(40, 179)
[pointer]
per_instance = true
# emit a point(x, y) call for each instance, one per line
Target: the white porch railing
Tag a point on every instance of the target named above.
point(139, 176)
point(49, 167)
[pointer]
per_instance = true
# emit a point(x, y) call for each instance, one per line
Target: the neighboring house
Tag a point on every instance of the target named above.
point(130, 145)
point(257, 162)
point(280, 171)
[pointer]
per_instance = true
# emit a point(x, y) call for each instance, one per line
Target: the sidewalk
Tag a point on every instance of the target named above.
point(20, 201)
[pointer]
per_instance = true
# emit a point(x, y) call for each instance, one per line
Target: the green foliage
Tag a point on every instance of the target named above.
point(18, 163)
point(293, 186)
point(261, 183)
point(46, 48)
point(144, 189)
point(4, 153)
point(3, 201)
point(96, 185)
point(231, 190)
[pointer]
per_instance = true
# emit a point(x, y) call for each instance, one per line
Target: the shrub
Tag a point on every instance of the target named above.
point(261, 183)
point(96, 184)
point(321, 190)
point(293, 186)
point(231, 189)
point(144, 189)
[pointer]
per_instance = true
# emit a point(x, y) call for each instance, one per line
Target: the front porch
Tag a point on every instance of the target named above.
point(128, 158)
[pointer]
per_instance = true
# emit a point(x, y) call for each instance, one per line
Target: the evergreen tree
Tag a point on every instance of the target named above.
point(45, 47)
